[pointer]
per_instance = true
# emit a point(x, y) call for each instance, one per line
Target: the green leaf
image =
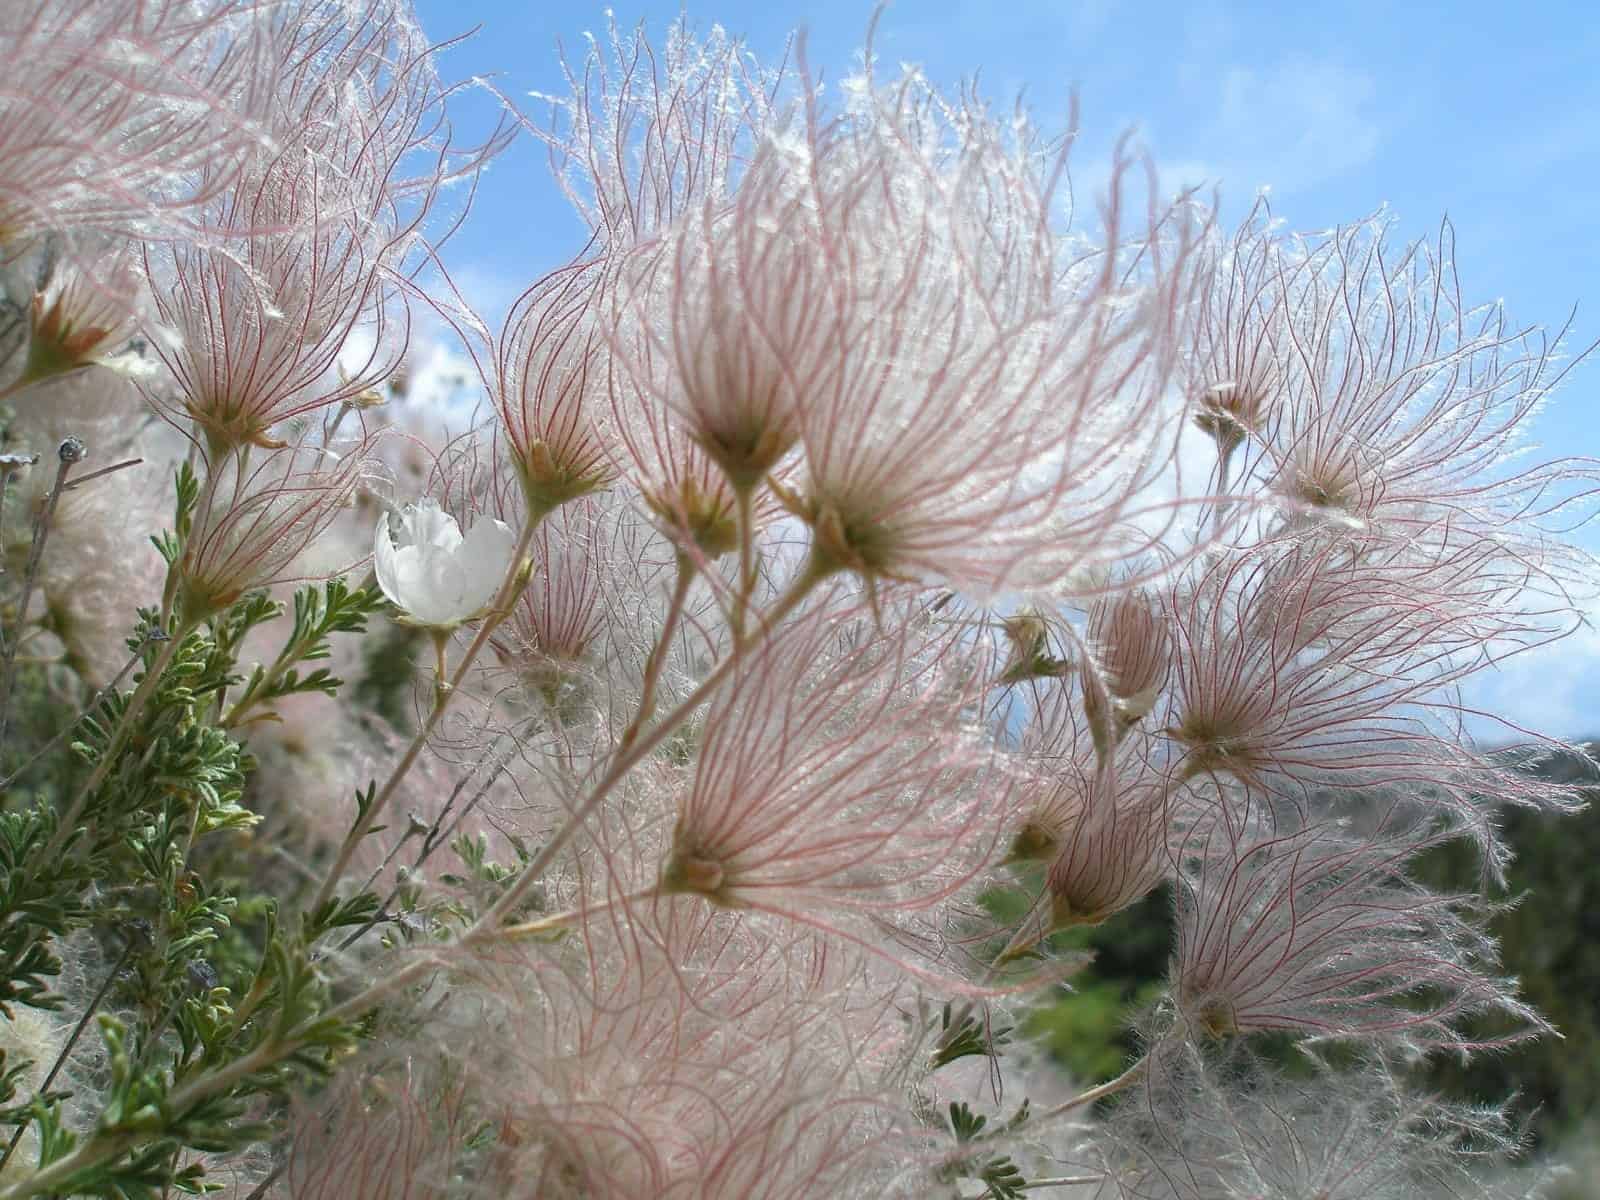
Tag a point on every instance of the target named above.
point(967, 1037)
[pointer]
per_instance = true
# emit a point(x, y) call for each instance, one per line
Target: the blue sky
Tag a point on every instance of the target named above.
point(1487, 112)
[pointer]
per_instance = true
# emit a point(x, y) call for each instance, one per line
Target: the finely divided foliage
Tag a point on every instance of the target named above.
point(693, 887)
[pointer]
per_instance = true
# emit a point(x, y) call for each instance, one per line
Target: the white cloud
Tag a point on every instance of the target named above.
point(1553, 690)
point(1289, 126)
point(489, 289)
point(1295, 124)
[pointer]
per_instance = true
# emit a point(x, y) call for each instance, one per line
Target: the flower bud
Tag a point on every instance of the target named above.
point(1029, 635)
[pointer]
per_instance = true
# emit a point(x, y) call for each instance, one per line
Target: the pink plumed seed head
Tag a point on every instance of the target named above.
point(253, 522)
point(551, 371)
point(1233, 373)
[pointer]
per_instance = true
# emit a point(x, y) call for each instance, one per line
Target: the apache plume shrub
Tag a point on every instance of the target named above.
point(687, 889)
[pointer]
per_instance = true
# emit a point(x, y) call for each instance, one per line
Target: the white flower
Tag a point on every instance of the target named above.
point(437, 576)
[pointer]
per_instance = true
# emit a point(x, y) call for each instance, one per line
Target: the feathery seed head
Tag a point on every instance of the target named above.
point(699, 507)
point(1206, 1124)
point(551, 366)
point(121, 116)
point(394, 1136)
point(1129, 643)
point(989, 414)
point(748, 314)
point(79, 318)
point(1100, 823)
point(557, 622)
point(1321, 932)
point(255, 330)
point(254, 522)
point(644, 136)
point(1401, 409)
point(305, 243)
point(834, 774)
point(1234, 374)
point(1229, 412)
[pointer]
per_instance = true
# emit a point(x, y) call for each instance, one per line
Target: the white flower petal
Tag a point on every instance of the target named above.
point(433, 573)
point(384, 562)
point(429, 525)
point(483, 560)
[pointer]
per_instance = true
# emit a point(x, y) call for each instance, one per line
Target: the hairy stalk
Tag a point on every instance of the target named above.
point(745, 587)
point(103, 1147)
point(261, 1189)
point(443, 692)
point(330, 432)
point(561, 920)
point(1035, 1185)
point(658, 654)
point(1224, 461)
point(71, 452)
point(98, 1149)
point(10, 464)
point(288, 660)
point(1110, 1088)
point(435, 837)
point(199, 514)
point(412, 830)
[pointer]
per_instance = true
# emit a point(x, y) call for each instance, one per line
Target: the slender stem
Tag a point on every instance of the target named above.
point(245, 703)
point(199, 518)
point(114, 747)
point(394, 853)
point(72, 453)
point(432, 839)
point(1110, 1088)
point(443, 692)
point(630, 757)
point(290, 657)
point(380, 802)
point(441, 639)
point(95, 1150)
point(745, 588)
point(562, 919)
point(658, 654)
point(88, 708)
point(1224, 461)
point(194, 829)
point(5, 480)
point(261, 1189)
point(259, 991)
point(332, 431)
point(93, 475)
point(1034, 1185)
point(152, 1038)
point(105, 1146)
point(61, 1058)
